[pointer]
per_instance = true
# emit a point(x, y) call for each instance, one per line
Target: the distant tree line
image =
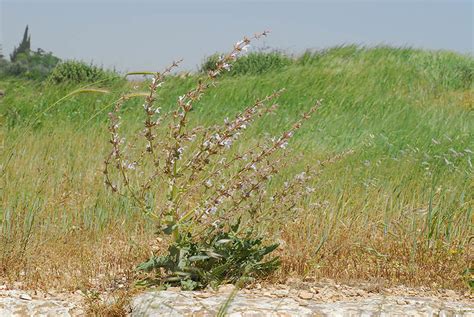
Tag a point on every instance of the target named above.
point(27, 63)
point(42, 65)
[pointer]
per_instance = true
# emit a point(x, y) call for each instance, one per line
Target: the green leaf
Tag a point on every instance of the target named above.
point(189, 285)
point(168, 229)
point(195, 258)
point(223, 241)
point(213, 254)
point(154, 263)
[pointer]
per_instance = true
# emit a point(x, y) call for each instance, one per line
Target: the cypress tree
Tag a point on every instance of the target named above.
point(24, 46)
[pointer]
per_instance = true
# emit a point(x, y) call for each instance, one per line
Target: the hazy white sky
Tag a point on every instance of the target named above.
point(147, 35)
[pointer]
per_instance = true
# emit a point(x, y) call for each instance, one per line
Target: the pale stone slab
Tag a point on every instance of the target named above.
point(165, 303)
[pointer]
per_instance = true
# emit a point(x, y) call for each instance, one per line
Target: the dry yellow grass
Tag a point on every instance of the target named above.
point(83, 249)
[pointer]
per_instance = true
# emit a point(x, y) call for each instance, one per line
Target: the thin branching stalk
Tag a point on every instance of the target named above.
point(187, 178)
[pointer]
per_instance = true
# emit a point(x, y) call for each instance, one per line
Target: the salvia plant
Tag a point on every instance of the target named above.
point(202, 191)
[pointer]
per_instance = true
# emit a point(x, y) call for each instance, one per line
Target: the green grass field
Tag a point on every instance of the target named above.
point(399, 209)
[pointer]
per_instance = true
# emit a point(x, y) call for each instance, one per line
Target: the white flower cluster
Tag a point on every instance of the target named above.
point(156, 85)
point(224, 141)
point(149, 109)
point(242, 46)
point(129, 165)
point(301, 176)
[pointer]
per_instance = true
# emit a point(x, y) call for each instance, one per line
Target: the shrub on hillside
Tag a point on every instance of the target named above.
point(3, 66)
point(79, 72)
point(32, 65)
point(251, 64)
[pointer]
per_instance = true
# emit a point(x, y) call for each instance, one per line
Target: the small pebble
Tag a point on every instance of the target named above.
point(226, 288)
point(360, 293)
point(309, 279)
point(450, 293)
point(204, 295)
point(25, 297)
point(305, 295)
point(281, 293)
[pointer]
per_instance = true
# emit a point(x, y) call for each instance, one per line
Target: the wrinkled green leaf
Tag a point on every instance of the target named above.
point(215, 258)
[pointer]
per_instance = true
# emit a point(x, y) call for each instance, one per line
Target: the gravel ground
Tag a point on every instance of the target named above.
point(295, 298)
